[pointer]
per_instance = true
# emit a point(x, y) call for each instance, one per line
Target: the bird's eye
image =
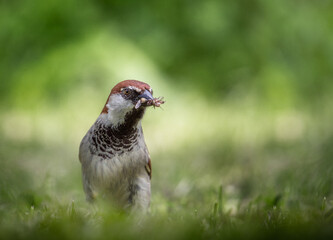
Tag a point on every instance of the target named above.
point(126, 91)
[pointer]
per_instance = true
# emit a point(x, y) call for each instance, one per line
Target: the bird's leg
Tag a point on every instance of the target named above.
point(139, 197)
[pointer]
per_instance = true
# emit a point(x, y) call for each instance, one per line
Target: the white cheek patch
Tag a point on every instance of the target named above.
point(118, 107)
point(117, 102)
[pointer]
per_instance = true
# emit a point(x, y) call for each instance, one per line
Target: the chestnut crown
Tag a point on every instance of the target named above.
point(131, 84)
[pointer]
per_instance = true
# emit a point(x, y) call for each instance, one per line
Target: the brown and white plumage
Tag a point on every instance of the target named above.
point(113, 154)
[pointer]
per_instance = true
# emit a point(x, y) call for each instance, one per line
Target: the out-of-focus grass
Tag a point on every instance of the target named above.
point(229, 169)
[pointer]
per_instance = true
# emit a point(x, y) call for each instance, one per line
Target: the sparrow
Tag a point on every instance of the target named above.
point(114, 157)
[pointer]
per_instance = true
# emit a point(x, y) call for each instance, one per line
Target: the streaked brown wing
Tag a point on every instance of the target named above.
point(148, 168)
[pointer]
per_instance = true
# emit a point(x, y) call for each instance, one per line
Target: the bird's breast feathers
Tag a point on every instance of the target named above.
point(109, 160)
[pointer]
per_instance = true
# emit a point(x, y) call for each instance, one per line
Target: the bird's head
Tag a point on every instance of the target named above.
point(129, 96)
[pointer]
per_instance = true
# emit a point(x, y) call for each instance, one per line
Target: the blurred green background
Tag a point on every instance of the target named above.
point(243, 144)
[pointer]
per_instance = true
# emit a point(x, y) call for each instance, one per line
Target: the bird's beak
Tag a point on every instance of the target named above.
point(146, 95)
point(144, 98)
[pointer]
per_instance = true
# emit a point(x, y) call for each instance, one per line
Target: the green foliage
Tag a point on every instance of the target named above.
point(280, 50)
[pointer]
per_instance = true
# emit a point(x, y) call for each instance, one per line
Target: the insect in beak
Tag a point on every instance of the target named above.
point(147, 99)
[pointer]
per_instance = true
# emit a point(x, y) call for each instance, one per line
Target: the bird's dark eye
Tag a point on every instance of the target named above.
point(126, 91)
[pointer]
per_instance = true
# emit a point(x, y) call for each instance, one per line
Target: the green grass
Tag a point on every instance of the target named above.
point(247, 173)
point(54, 219)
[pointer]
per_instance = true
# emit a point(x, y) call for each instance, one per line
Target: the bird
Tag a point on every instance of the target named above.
point(115, 161)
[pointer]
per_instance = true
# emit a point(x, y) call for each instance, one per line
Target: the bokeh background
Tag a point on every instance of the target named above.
point(245, 136)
